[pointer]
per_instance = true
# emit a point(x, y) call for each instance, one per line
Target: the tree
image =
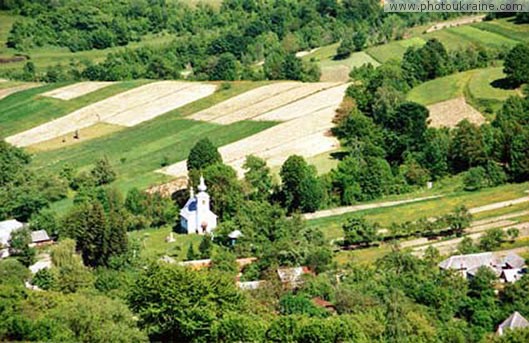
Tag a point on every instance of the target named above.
point(19, 246)
point(300, 186)
point(205, 247)
point(191, 253)
point(515, 66)
point(225, 261)
point(103, 173)
point(459, 220)
point(258, 176)
point(202, 155)
point(345, 49)
point(69, 272)
point(474, 179)
point(225, 189)
point(358, 231)
point(13, 272)
point(467, 246)
point(226, 68)
point(492, 239)
point(180, 304)
point(467, 149)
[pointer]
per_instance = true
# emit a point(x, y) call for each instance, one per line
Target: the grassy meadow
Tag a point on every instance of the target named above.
point(332, 226)
point(26, 109)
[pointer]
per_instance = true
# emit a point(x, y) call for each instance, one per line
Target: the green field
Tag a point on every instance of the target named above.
point(26, 109)
point(506, 28)
point(136, 152)
point(441, 89)
point(393, 50)
point(476, 85)
point(331, 226)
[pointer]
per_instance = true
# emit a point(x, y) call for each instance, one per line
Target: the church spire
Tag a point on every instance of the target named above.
point(202, 186)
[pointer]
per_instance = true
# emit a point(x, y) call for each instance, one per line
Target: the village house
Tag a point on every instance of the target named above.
point(40, 238)
point(6, 228)
point(515, 321)
point(196, 216)
point(292, 277)
point(509, 268)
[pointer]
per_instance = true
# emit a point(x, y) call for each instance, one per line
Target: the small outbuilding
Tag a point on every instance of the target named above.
point(40, 238)
point(515, 321)
point(6, 228)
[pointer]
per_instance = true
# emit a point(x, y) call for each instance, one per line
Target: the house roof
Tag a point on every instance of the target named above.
point(322, 303)
point(515, 321)
point(39, 236)
point(512, 275)
point(512, 260)
point(292, 275)
point(235, 234)
point(469, 261)
point(8, 226)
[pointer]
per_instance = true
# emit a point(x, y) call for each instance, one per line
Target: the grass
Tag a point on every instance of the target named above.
point(331, 226)
point(338, 70)
point(323, 162)
point(506, 28)
point(91, 132)
point(9, 84)
point(441, 89)
point(154, 246)
point(482, 91)
point(393, 50)
point(26, 109)
point(138, 151)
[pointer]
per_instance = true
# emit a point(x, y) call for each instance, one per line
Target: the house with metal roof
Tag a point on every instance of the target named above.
point(509, 268)
point(515, 321)
point(6, 228)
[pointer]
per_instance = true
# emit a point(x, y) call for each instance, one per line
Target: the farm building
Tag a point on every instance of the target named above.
point(40, 238)
point(196, 216)
point(509, 268)
point(292, 277)
point(515, 321)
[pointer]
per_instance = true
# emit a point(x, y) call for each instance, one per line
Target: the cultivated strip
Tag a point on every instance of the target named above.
point(449, 113)
point(8, 91)
point(129, 108)
point(76, 90)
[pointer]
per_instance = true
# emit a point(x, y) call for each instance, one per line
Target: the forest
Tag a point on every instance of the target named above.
point(224, 44)
point(103, 287)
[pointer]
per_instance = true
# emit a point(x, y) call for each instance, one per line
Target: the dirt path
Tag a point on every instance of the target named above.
point(8, 91)
point(498, 205)
point(450, 246)
point(455, 22)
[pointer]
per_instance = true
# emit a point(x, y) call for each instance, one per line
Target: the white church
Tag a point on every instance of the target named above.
point(196, 216)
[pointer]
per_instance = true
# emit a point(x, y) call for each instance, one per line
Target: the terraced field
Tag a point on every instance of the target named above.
point(304, 130)
point(481, 88)
point(126, 109)
point(27, 109)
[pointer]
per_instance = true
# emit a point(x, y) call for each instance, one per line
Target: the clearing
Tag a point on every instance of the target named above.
point(76, 90)
point(450, 112)
point(127, 109)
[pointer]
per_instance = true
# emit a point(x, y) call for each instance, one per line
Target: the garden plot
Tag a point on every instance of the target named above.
point(5, 92)
point(244, 100)
point(127, 109)
point(271, 103)
point(306, 136)
point(449, 113)
point(76, 90)
point(328, 99)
